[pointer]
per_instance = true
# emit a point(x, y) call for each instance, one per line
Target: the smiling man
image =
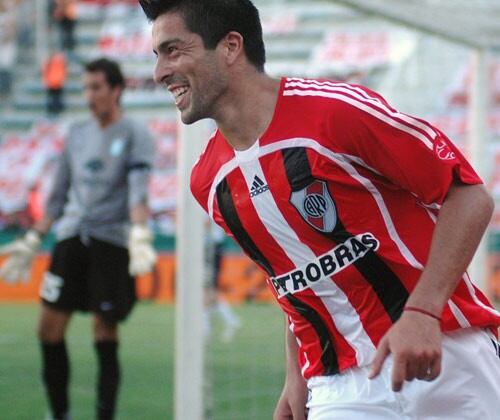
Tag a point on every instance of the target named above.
point(365, 220)
point(99, 199)
point(200, 83)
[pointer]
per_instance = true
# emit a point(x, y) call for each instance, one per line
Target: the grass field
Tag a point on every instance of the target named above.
point(244, 376)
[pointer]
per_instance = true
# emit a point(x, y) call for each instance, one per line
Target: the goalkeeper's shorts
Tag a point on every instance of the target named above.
point(91, 277)
point(468, 387)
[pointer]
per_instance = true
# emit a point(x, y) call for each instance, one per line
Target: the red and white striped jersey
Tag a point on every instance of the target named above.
point(337, 202)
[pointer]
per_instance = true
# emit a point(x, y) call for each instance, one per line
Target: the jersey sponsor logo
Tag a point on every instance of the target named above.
point(316, 206)
point(443, 151)
point(326, 265)
point(94, 165)
point(258, 187)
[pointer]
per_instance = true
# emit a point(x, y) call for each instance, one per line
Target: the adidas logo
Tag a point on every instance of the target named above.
point(258, 187)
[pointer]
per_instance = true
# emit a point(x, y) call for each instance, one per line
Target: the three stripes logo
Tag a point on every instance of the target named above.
point(258, 187)
point(496, 345)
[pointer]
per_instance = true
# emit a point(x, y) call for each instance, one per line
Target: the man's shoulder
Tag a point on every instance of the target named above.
point(330, 102)
point(215, 154)
point(137, 128)
point(79, 128)
point(81, 124)
point(211, 156)
point(132, 122)
point(327, 91)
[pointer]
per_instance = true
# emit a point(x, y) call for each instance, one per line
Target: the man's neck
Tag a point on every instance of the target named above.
point(248, 111)
point(109, 119)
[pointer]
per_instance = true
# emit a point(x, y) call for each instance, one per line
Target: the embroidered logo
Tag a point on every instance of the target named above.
point(94, 165)
point(117, 147)
point(316, 206)
point(258, 187)
point(443, 151)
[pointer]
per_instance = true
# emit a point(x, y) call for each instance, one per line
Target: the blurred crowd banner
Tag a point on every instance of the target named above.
point(361, 50)
point(452, 120)
point(27, 164)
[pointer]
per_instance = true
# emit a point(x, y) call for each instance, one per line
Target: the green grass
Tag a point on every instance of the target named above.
point(244, 377)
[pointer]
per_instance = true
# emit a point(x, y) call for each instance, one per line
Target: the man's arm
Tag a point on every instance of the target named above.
point(140, 242)
point(22, 251)
point(292, 402)
point(415, 339)
point(139, 214)
point(43, 225)
point(58, 196)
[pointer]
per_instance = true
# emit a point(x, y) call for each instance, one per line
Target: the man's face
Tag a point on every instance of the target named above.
point(194, 75)
point(101, 98)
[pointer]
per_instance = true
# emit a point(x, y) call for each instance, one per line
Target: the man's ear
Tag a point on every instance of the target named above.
point(232, 46)
point(117, 93)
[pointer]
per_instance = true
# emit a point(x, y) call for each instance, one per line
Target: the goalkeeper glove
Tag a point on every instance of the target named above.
point(20, 255)
point(141, 252)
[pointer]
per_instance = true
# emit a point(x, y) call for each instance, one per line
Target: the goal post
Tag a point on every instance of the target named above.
point(188, 394)
point(478, 148)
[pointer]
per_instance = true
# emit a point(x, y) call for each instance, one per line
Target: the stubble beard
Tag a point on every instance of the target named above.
point(203, 105)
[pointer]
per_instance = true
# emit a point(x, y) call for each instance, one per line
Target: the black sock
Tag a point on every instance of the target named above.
point(108, 378)
point(55, 376)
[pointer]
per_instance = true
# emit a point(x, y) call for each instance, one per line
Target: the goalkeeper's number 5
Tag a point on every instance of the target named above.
point(50, 289)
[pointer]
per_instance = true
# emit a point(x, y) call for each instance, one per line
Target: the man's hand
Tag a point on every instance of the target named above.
point(20, 255)
point(292, 402)
point(415, 343)
point(141, 251)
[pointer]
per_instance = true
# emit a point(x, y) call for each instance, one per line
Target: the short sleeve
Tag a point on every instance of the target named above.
point(140, 164)
point(407, 151)
point(58, 195)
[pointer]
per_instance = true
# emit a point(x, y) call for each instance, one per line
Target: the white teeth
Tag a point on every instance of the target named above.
point(179, 91)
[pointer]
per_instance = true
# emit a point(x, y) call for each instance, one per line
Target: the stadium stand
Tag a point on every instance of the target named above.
point(420, 74)
point(315, 38)
point(101, 31)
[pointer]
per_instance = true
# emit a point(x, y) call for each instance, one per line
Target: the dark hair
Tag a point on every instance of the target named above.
point(214, 19)
point(111, 70)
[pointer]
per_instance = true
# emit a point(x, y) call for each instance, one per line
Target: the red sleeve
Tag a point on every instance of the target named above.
point(407, 151)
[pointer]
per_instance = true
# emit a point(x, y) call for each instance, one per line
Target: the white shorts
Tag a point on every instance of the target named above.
point(468, 387)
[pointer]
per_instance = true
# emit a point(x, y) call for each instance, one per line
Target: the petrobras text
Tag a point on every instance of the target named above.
point(326, 265)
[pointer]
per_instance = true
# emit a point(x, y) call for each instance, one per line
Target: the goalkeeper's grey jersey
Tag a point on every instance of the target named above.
point(101, 174)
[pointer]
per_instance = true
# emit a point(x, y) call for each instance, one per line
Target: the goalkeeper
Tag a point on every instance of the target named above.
point(99, 200)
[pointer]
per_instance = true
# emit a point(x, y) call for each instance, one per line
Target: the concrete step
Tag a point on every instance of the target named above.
point(21, 123)
point(131, 100)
